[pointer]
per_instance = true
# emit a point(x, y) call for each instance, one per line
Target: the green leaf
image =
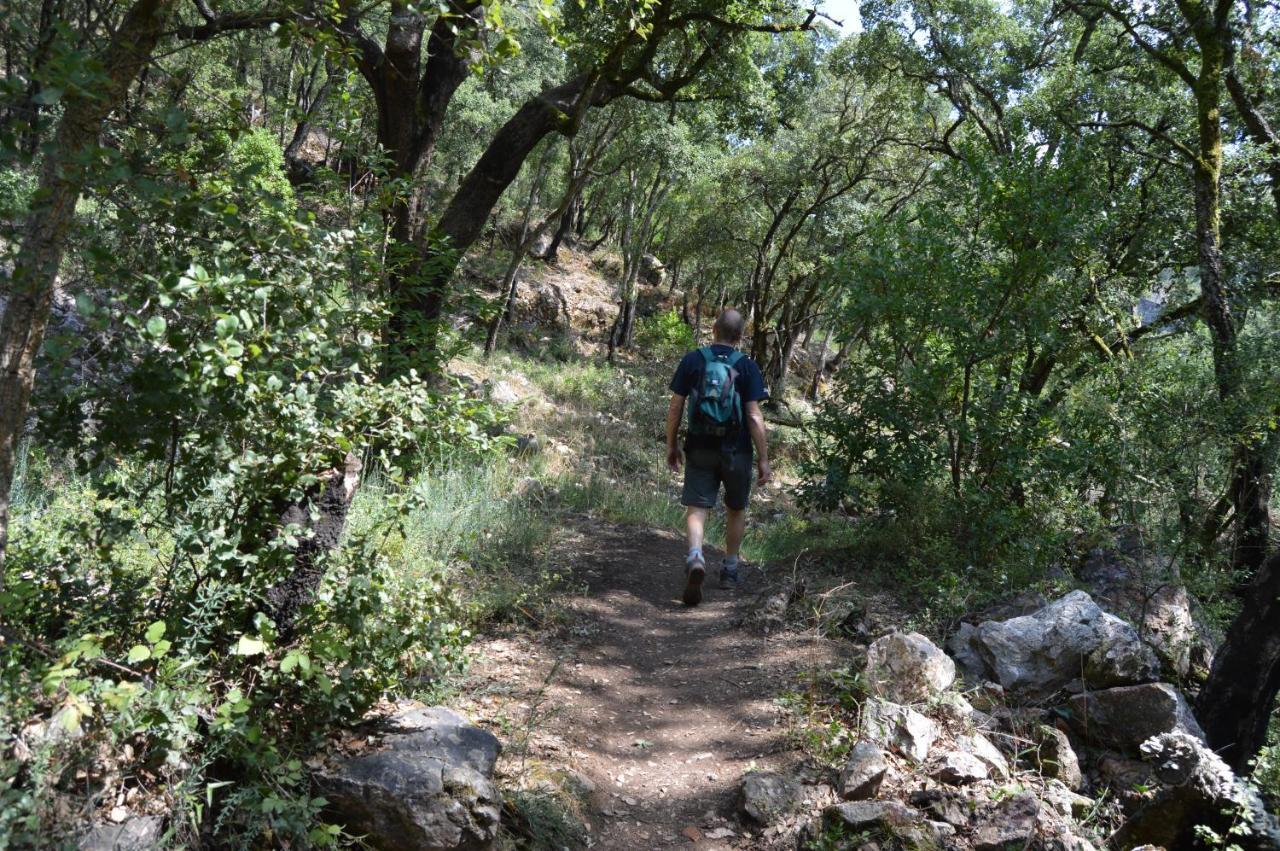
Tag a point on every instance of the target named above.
point(226, 326)
point(155, 632)
point(156, 326)
point(139, 653)
point(248, 646)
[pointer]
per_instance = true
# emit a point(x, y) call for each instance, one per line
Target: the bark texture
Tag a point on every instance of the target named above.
point(44, 238)
point(1236, 700)
point(287, 599)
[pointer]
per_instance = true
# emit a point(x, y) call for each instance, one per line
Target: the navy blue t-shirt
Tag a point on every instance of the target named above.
point(750, 387)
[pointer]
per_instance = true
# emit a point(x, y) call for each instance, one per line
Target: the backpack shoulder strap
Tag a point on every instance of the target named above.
point(735, 357)
point(707, 354)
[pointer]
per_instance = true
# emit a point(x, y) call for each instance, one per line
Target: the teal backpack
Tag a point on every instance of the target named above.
point(715, 408)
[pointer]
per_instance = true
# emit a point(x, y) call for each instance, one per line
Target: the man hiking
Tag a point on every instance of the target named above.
point(723, 388)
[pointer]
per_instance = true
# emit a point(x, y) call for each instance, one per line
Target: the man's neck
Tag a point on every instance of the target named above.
point(723, 343)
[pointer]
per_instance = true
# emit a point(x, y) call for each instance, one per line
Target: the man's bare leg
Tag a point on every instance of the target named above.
point(695, 565)
point(735, 527)
point(695, 521)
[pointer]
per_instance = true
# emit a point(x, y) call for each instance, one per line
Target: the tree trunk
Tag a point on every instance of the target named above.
point(24, 111)
point(420, 293)
point(1236, 701)
point(604, 235)
point(566, 223)
point(288, 597)
point(411, 102)
point(510, 280)
point(1260, 131)
point(507, 292)
point(629, 324)
point(779, 390)
point(814, 386)
point(298, 170)
point(566, 219)
point(1249, 474)
point(45, 232)
point(697, 313)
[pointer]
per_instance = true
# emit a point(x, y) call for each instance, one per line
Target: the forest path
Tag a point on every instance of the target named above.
point(663, 707)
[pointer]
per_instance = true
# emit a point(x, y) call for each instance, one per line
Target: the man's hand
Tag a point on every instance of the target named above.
point(764, 473)
point(674, 458)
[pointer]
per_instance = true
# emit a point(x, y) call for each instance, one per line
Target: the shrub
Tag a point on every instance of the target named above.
point(664, 334)
point(228, 382)
point(16, 188)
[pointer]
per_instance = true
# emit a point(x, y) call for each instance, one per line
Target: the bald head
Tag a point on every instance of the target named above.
point(728, 327)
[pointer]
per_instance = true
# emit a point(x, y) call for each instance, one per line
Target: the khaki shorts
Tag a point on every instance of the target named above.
point(707, 469)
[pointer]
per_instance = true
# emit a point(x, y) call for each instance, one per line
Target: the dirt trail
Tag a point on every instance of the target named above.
point(663, 707)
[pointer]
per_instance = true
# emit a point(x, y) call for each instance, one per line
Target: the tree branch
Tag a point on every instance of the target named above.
point(1175, 65)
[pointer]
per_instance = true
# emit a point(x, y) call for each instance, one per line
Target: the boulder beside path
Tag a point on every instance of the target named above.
point(428, 788)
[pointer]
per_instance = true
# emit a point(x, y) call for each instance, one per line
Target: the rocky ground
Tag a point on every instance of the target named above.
point(640, 723)
point(633, 722)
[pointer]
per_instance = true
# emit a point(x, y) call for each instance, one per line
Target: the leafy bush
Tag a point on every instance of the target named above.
point(229, 382)
point(1266, 770)
point(257, 155)
point(16, 188)
point(664, 334)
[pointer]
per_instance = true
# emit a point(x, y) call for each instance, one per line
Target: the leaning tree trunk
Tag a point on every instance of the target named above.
point(507, 292)
point(44, 238)
point(325, 520)
point(566, 223)
point(419, 306)
point(1236, 701)
point(511, 279)
point(297, 169)
point(1260, 131)
point(566, 219)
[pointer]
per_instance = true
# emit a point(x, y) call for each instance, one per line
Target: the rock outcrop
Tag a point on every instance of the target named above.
point(139, 833)
point(1066, 698)
point(428, 788)
point(900, 728)
point(1068, 644)
point(1055, 757)
point(1145, 587)
point(1125, 717)
point(1009, 824)
point(766, 795)
point(1199, 791)
point(863, 772)
point(908, 668)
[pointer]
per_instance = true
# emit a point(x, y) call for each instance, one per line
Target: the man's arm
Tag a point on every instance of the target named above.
point(674, 410)
point(755, 425)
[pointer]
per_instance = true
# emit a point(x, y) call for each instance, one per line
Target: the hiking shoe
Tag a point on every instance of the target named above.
point(695, 570)
point(729, 578)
